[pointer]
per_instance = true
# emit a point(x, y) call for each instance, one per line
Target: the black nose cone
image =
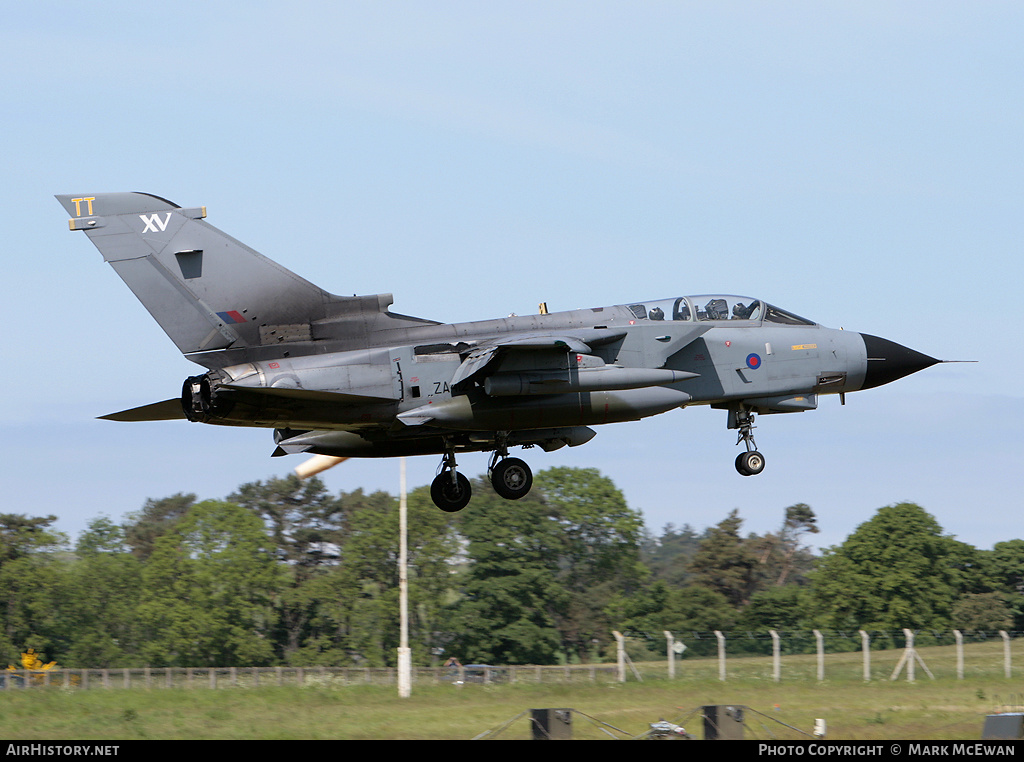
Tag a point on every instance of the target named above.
point(888, 361)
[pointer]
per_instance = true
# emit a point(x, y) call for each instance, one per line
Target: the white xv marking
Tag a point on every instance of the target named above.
point(154, 224)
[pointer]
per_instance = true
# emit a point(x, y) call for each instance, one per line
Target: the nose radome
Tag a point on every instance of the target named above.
point(888, 361)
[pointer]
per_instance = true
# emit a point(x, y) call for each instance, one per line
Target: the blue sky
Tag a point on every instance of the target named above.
point(856, 163)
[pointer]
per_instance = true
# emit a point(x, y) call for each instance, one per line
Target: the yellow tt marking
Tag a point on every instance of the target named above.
point(78, 205)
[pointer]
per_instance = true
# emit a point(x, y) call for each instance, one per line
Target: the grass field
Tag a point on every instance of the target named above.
point(943, 708)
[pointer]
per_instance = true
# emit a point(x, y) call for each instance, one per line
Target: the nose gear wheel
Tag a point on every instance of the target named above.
point(750, 463)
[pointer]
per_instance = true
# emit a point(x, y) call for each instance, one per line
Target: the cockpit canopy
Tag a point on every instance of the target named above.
point(715, 307)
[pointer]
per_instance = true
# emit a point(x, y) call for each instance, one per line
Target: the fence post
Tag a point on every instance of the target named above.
point(721, 655)
point(669, 644)
point(820, 644)
point(959, 654)
point(910, 656)
point(776, 664)
point(865, 647)
point(1006, 653)
point(620, 660)
point(913, 652)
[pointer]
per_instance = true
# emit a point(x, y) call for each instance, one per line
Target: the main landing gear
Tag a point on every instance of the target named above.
point(510, 477)
point(450, 490)
point(751, 462)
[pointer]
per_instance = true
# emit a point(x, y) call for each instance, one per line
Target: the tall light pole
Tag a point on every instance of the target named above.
point(404, 654)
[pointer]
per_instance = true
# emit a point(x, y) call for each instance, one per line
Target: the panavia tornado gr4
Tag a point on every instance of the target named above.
point(343, 376)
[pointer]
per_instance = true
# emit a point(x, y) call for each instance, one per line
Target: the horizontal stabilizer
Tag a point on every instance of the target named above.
point(168, 410)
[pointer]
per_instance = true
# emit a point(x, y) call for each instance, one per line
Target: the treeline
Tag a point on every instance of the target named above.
point(284, 573)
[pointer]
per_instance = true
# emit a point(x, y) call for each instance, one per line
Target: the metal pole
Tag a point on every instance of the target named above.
point(404, 654)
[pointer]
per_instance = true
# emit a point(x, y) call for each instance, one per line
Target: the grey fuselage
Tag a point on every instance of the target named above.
point(756, 361)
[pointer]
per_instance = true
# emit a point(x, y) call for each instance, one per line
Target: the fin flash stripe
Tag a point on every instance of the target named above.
point(234, 316)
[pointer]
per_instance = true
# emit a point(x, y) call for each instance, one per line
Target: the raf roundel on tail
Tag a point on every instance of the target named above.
point(344, 377)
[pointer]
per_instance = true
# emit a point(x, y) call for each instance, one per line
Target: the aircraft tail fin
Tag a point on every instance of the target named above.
point(207, 291)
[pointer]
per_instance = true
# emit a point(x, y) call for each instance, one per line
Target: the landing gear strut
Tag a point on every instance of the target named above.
point(750, 462)
point(450, 490)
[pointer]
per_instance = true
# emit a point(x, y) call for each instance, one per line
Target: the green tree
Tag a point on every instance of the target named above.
point(982, 611)
point(661, 607)
point(725, 562)
point(22, 535)
point(144, 527)
point(103, 586)
point(1004, 573)
point(370, 572)
point(896, 570)
point(31, 580)
point(208, 590)
point(669, 556)
point(782, 557)
point(510, 587)
point(306, 523)
point(542, 570)
point(597, 539)
point(690, 613)
point(776, 608)
point(307, 526)
point(1006, 566)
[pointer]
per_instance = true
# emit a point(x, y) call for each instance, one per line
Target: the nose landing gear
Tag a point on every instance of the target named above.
point(751, 462)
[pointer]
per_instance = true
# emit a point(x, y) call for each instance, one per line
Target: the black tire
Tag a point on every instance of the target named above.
point(512, 478)
point(450, 497)
point(750, 463)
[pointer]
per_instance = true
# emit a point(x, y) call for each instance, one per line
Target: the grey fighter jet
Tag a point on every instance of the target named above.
point(343, 376)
